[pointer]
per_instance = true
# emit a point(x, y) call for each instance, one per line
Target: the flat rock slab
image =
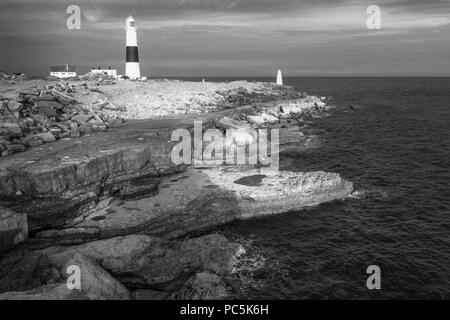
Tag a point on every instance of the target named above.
point(269, 118)
point(200, 199)
point(256, 119)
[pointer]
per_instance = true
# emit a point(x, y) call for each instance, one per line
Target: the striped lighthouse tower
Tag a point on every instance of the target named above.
point(132, 69)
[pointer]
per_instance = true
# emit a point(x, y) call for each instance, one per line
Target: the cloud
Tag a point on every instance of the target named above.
point(250, 32)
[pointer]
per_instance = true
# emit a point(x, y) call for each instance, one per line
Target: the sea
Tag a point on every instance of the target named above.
point(391, 138)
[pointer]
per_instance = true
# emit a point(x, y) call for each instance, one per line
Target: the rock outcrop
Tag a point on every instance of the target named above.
point(13, 228)
point(145, 262)
point(53, 191)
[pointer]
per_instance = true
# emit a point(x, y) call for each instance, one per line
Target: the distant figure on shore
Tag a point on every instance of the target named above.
point(279, 78)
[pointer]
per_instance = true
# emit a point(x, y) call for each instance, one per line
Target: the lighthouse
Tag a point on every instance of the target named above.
point(132, 69)
point(279, 78)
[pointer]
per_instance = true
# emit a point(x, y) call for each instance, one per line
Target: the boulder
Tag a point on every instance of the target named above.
point(62, 97)
point(12, 128)
point(16, 147)
point(55, 131)
point(47, 110)
point(115, 254)
point(4, 142)
point(32, 141)
point(202, 286)
point(10, 95)
point(82, 118)
point(228, 123)
point(75, 133)
point(4, 145)
point(46, 137)
point(3, 105)
point(7, 152)
point(48, 104)
point(14, 106)
point(13, 228)
point(86, 128)
point(42, 98)
point(256, 119)
point(99, 127)
point(269, 118)
point(96, 283)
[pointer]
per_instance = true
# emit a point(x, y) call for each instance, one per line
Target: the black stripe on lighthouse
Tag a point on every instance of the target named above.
point(132, 54)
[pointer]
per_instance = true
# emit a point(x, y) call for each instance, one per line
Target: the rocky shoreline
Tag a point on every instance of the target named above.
point(115, 204)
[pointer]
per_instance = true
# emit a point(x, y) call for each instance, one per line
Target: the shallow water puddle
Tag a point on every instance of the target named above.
point(251, 181)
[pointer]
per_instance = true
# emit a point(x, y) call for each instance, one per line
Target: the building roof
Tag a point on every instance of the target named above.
point(65, 68)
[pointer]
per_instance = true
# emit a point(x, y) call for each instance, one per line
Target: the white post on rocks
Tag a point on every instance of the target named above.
point(279, 78)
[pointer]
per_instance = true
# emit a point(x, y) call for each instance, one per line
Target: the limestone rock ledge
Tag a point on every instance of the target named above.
point(199, 199)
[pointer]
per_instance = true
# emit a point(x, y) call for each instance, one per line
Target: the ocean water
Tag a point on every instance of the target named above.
point(394, 146)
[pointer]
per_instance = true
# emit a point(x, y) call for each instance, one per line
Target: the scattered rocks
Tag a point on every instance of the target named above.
point(15, 76)
point(28, 113)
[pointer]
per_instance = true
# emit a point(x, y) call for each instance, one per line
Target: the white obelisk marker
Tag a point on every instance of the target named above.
point(132, 69)
point(279, 78)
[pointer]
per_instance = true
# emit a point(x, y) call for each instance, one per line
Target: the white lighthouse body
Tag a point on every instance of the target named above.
point(279, 78)
point(132, 69)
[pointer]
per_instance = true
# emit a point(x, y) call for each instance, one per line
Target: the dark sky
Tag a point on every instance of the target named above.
point(231, 37)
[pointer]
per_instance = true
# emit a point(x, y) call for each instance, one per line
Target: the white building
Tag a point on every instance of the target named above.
point(107, 72)
point(63, 71)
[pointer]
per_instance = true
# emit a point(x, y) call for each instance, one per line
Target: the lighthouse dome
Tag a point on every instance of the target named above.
point(130, 22)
